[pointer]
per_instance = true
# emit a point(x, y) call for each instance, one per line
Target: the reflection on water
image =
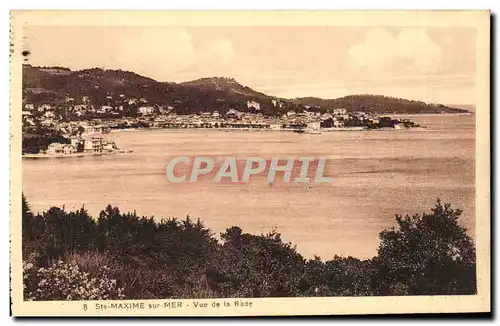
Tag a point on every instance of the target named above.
point(377, 174)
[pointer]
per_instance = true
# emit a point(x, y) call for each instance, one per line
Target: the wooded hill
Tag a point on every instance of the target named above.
point(53, 84)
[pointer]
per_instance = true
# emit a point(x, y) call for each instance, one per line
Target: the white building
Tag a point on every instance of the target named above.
point(146, 110)
point(275, 127)
point(339, 111)
point(105, 108)
point(277, 103)
point(49, 115)
point(69, 149)
point(75, 141)
point(54, 148)
point(57, 148)
point(253, 104)
point(232, 113)
point(315, 126)
point(109, 146)
point(44, 107)
point(93, 145)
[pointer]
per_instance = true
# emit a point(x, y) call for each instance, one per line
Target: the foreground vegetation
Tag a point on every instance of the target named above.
point(71, 256)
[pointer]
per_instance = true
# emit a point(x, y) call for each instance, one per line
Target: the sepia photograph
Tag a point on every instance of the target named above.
point(197, 163)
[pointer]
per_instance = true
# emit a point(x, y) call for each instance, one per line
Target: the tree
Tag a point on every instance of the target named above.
point(80, 147)
point(349, 276)
point(33, 228)
point(257, 266)
point(27, 217)
point(328, 123)
point(428, 254)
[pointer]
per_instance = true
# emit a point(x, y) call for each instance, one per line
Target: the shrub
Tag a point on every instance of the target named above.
point(66, 281)
point(256, 266)
point(428, 254)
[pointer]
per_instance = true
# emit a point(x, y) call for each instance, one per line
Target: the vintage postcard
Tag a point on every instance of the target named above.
point(249, 163)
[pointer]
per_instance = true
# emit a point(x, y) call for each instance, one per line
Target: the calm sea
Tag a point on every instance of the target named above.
point(377, 174)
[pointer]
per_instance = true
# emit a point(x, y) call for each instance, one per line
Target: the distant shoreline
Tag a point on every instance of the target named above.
point(323, 130)
point(72, 155)
point(427, 114)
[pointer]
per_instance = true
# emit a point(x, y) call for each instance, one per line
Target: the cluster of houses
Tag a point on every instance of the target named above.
point(338, 118)
point(64, 118)
point(83, 107)
point(91, 145)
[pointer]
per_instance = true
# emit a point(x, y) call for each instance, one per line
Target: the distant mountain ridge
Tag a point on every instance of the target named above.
point(53, 84)
point(223, 83)
point(379, 104)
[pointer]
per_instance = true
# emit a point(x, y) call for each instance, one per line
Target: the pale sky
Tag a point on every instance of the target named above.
point(430, 64)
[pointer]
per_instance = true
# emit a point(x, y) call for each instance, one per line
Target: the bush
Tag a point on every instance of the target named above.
point(256, 266)
point(428, 254)
point(66, 281)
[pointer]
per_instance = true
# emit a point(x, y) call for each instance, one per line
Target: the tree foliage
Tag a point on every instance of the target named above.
point(426, 254)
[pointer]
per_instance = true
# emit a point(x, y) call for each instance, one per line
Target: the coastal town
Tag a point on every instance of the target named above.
point(77, 124)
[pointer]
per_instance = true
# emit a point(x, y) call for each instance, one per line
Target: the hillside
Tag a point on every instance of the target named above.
point(48, 85)
point(224, 84)
point(378, 104)
point(53, 84)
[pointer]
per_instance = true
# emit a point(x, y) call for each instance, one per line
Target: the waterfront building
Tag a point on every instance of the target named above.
point(109, 146)
point(69, 149)
point(75, 141)
point(93, 145)
point(54, 148)
point(58, 148)
point(314, 126)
